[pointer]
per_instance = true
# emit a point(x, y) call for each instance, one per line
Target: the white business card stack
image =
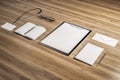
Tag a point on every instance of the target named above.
point(8, 26)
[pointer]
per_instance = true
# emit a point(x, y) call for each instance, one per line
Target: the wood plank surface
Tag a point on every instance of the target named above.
point(23, 59)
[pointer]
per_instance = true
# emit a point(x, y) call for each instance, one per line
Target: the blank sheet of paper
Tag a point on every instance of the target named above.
point(65, 38)
point(105, 39)
point(89, 54)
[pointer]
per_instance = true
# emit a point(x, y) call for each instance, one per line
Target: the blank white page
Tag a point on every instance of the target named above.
point(89, 53)
point(65, 37)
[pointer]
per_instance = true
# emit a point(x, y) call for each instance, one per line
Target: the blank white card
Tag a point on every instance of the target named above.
point(89, 53)
point(65, 38)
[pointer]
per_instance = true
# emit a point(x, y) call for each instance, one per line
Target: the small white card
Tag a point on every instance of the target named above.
point(89, 54)
point(105, 39)
point(65, 38)
point(25, 28)
point(8, 26)
point(35, 32)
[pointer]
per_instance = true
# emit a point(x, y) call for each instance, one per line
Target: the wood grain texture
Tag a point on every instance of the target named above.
point(23, 59)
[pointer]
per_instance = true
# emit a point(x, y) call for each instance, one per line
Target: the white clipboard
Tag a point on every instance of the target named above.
point(65, 37)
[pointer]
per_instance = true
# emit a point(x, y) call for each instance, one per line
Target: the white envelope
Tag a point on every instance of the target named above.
point(8, 26)
point(25, 28)
point(89, 54)
point(35, 33)
point(105, 39)
point(65, 38)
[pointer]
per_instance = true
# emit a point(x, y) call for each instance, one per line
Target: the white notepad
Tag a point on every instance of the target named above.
point(65, 38)
point(105, 39)
point(89, 54)
point(35, 32)
point(25, 28)
point(8, 26)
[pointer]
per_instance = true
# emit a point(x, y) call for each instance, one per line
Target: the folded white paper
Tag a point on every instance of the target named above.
point(35, 33)
point(89, 53)
point(8, 26)
point(65, 38)
point(25, 28)
point(105, 39)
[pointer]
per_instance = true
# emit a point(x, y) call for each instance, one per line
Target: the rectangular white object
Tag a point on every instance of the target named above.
point(25, 28)
point(8, 26)
point(89, 54)
point(105, 39)
point(65, 37)
point(35, 32)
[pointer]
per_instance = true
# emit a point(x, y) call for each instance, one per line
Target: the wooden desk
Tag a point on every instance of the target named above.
point(23, 59)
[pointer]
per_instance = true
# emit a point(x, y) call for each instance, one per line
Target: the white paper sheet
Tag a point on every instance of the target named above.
point(25, 28)
point(105, 39)
point(65, 37)
point(89, 54)
point(8, 26)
